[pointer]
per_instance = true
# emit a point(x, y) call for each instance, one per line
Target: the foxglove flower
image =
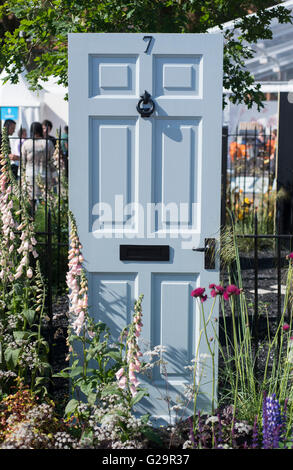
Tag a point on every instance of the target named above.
point(127, 375)
point(76, 282)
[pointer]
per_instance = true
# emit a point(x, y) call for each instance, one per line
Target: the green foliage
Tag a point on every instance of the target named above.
point(23, 349)
point(241, 381)
point(92, 368)
point(25, 422)
point(38, 40)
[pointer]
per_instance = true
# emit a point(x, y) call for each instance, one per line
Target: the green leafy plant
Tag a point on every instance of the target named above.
point(23, 349)
point(36, 34)
point(100, 368)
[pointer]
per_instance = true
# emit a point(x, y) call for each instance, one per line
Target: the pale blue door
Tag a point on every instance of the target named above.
point(145, 190)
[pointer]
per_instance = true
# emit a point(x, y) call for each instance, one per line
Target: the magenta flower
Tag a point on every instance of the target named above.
point(199, 292)
point(231, 290)
point(286, 327)
point(290, 256)
point(216, 290)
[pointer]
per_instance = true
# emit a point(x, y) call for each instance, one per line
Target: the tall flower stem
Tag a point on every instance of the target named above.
point(205, 325)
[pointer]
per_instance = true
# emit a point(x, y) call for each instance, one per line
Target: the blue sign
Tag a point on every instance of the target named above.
point(9, 112)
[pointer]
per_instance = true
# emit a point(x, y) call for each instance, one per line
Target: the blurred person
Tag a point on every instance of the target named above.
point(47, 128)
point(64, 148)
point(37, 154)
point(261, 143)
point(237, 149)
point(272, 151)
point(272, 143)
point(22, 134)
point(64, 142)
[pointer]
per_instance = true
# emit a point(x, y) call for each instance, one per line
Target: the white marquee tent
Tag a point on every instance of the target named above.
point(271, 66)
point(47, 103)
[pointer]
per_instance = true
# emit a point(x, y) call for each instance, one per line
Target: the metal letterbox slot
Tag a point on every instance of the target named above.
point(144, 253)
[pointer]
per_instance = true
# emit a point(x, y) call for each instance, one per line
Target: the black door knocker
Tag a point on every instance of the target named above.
point(145, 106)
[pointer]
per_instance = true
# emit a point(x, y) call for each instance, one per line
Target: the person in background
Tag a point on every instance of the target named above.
point(64, 142)
point(22, 134)
point(47, 128)
point(37, 155)
point(10, 125)
point(261, 143)
point(272, 150)
point(64, 148)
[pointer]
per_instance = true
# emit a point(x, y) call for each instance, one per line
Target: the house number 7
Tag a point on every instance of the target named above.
point(149, 38)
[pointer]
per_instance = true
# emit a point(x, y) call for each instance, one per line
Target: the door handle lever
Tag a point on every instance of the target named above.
point(209, 253)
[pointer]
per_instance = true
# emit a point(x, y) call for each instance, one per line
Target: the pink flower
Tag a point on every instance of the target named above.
point(18, 274)
point(133, 390)
point(131, 376)
point(216, 290)
point(199, 292)
point(290, 256)
point(119, 373)
point(231, 290)
point(29, 273)
point(134, 366)
point(286, 327)
point(78, 323)
point(122, 382)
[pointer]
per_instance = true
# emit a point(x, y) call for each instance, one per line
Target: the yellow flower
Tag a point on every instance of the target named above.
point(248, 201)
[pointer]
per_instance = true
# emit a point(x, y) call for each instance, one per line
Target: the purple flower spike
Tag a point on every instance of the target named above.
point(273, 422)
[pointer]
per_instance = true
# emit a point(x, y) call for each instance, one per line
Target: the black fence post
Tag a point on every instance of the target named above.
point(49, 286)
point(224, 175)
point(256, 311)
point(284, 168)
point(59, 210)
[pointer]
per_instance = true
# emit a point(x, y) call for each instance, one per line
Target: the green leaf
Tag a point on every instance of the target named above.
point(86, 388)
point(11, 356)
point(138, 397)
point(41, 380)
point(76, 371)
point(91, 398)
point(114, 354)
point(20, 335)
point(29, 315)
point(63, 374)
point(71, 406)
